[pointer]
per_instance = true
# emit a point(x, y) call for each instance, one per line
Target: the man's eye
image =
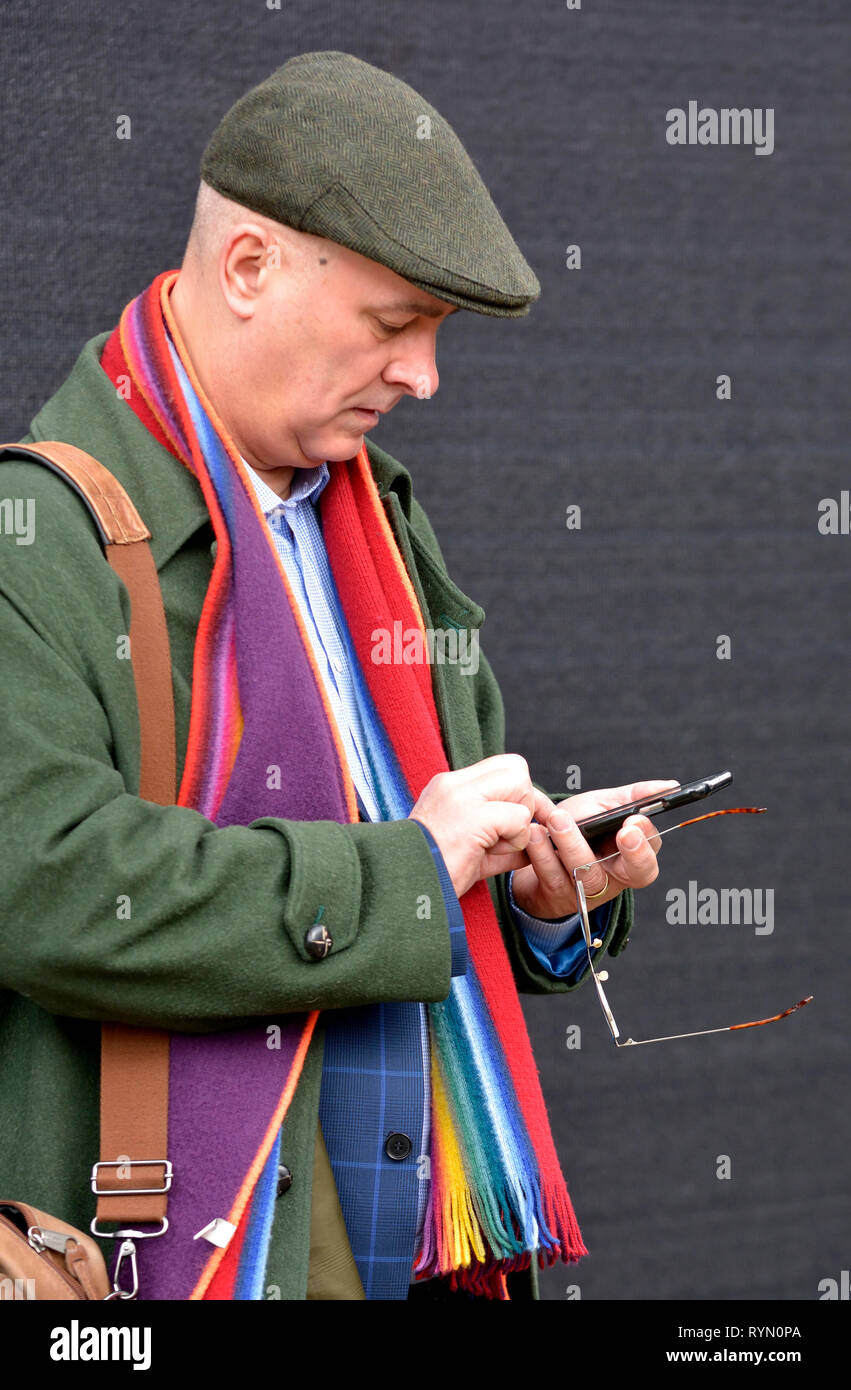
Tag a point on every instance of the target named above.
point(391, 327)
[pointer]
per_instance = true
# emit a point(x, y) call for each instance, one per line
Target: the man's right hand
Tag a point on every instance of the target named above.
point(480, 817)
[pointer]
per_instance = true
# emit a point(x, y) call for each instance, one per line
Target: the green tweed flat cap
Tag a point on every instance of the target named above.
point(331, 145)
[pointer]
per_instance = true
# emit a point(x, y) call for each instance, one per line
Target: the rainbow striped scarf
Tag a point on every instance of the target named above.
point(497, 1195)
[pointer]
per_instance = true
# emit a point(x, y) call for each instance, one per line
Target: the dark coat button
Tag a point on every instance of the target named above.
point(285, 1180)
point(398, 1146)
point(318, 941)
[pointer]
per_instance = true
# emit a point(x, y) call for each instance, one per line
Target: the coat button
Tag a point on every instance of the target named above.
point(398, 1146)
point(285, 1180)
point(318, 941)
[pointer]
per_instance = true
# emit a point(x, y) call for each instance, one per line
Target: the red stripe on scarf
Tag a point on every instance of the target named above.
point(368, 574)
point(223, 1282)
point(114, 364)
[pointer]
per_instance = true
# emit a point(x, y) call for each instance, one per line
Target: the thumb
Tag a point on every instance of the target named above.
point(573, 850)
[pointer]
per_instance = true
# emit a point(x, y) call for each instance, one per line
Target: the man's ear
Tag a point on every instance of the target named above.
point(249, 256)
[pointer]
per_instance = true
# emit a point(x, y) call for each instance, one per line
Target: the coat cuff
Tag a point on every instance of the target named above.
point(454, 914)
point(559, 945)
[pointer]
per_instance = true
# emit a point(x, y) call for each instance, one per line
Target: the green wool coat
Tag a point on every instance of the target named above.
point(218, 916)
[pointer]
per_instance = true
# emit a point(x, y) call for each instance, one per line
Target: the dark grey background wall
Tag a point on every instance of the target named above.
point(699, 516)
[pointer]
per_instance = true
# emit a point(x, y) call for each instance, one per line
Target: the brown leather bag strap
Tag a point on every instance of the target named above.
point(134, 1061)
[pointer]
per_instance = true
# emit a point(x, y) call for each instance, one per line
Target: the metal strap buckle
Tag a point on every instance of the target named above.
point(168, 1173)
point(140, 1235)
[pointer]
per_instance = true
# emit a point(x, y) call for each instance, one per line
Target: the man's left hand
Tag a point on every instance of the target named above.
point(545, 887)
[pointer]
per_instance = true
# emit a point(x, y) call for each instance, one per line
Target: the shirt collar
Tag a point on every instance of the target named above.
point(306, 486)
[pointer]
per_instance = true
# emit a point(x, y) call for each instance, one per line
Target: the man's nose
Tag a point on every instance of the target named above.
point(413, 366)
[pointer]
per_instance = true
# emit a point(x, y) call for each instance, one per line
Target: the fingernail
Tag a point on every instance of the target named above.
point(632, 839)
point(536, 833)
point(559, 821)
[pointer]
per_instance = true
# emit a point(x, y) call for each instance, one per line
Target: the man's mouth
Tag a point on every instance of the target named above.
point(371, 415)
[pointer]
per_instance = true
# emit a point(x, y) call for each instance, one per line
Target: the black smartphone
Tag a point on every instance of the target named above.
point(607, 822)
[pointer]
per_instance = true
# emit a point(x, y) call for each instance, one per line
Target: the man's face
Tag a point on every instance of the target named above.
point(333, 338)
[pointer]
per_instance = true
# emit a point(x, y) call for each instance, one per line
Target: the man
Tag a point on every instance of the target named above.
point(307, 883)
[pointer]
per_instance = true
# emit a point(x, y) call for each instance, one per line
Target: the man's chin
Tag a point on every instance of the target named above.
point(344, 445)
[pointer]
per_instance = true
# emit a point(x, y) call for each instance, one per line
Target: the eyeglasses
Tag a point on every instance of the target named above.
point(592, 942)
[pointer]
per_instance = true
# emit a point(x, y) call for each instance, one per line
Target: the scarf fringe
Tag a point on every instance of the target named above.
point(490, 1204)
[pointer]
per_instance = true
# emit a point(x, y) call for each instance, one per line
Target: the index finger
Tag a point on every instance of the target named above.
point(505, 777)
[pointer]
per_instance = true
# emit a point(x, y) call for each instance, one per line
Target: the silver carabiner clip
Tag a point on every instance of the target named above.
point(126, 1251)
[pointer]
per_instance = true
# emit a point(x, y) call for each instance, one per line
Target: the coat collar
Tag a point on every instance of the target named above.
point(87, 411)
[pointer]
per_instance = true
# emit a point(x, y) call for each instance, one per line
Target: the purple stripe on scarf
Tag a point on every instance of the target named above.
point(211, 1154)
point(224, 1088)
point(285, 720)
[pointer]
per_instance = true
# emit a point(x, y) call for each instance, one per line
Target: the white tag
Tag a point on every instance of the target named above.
point(218, 1232)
